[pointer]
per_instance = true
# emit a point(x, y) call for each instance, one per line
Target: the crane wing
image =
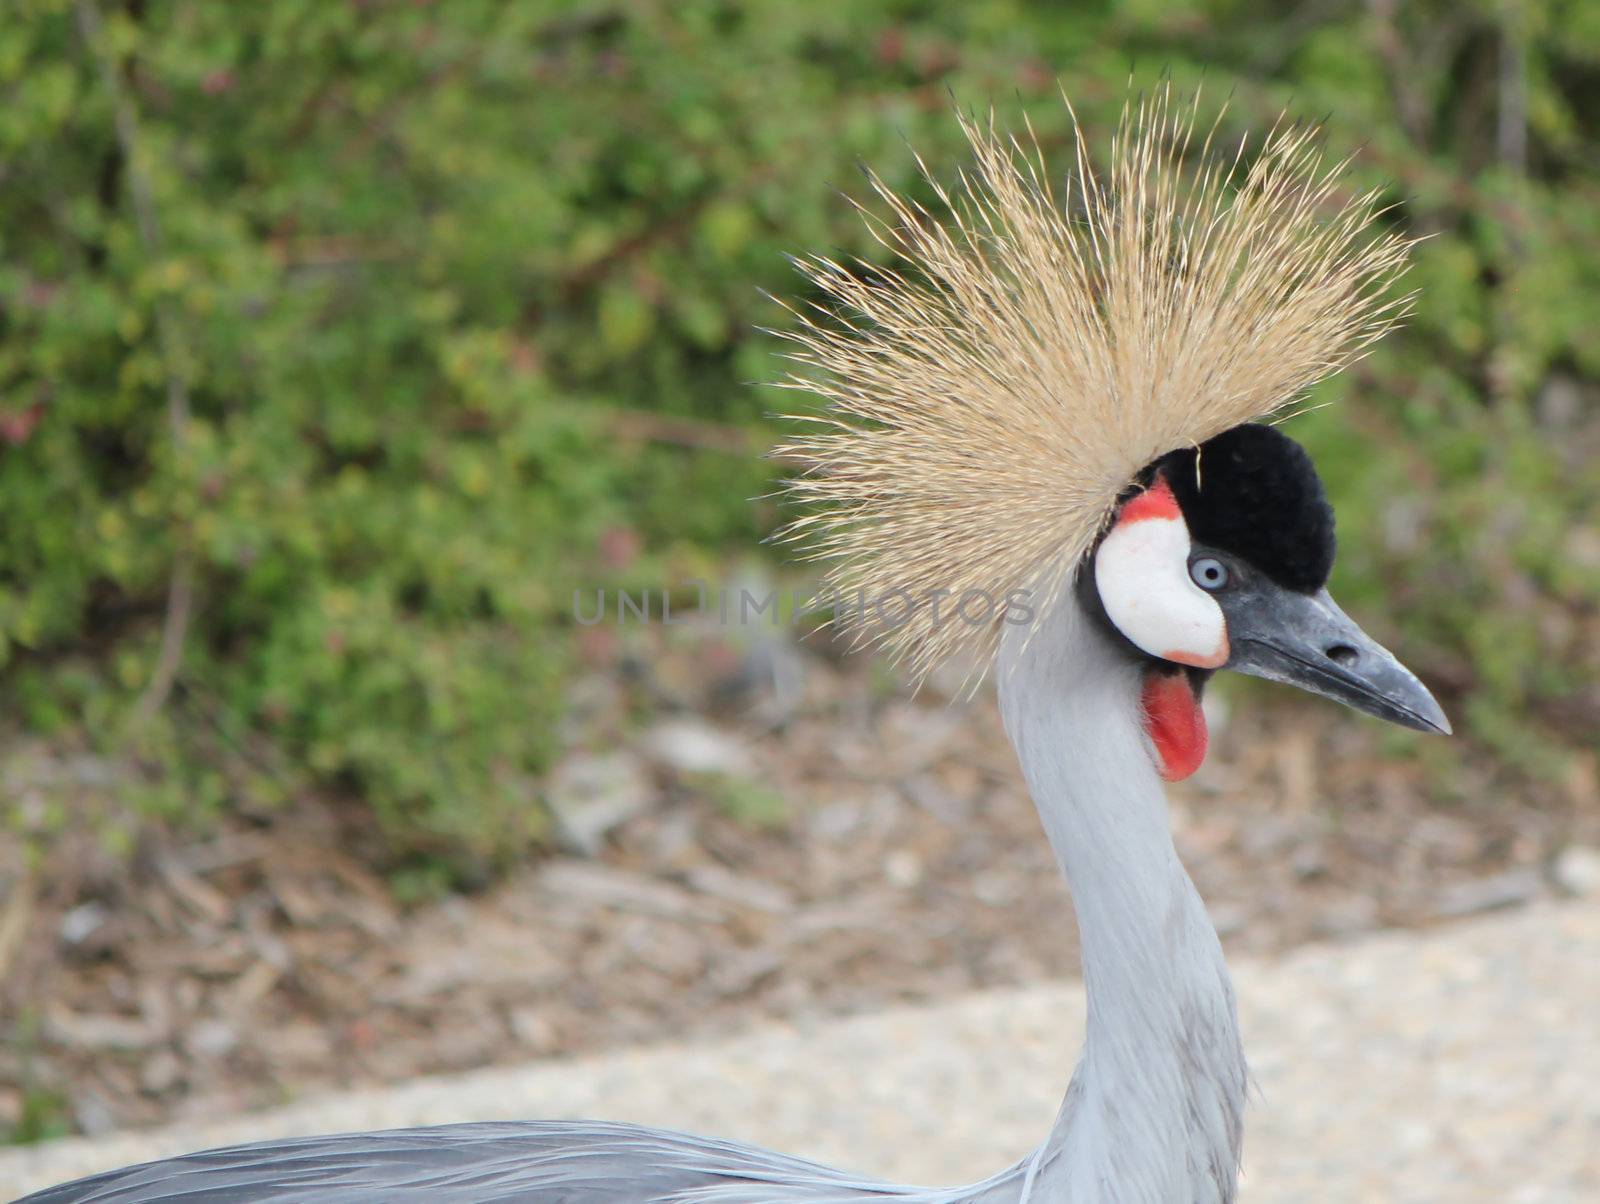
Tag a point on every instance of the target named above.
point(551, 1162)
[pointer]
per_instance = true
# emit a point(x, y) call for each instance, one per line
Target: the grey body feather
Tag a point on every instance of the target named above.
point(551, 1162)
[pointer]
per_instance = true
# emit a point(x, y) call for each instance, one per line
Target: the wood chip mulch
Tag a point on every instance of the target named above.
point(826, 844)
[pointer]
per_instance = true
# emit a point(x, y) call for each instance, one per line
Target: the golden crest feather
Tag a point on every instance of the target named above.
point(993, 392)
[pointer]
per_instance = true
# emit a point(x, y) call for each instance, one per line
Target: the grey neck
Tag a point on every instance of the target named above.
point(1153, 1111)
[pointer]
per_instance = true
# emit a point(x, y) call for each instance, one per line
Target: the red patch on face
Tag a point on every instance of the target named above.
point(1214, 660)
point(1158, 501)
point(1175, 722)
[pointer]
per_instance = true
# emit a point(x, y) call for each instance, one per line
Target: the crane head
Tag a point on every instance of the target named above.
point(1218, 558)
point(1037, 347)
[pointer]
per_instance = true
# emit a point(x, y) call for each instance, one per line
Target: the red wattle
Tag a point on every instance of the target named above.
point(1175, 722)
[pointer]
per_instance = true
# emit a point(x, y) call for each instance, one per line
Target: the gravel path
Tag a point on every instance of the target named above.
point(1458, 1064)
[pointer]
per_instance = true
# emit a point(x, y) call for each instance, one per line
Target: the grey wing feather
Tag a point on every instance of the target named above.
point(551, 1162)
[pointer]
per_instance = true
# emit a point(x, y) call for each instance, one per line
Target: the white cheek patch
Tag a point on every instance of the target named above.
point(1142, 573)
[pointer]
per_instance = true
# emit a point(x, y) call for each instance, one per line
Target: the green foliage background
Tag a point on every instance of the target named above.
point(456, 290)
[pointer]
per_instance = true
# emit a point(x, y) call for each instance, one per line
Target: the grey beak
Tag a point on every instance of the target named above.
point(1305, 640)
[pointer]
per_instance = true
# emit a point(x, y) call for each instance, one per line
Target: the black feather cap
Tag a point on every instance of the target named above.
point(1253, 491)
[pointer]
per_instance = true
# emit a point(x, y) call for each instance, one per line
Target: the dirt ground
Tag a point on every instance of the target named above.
point(745, 832)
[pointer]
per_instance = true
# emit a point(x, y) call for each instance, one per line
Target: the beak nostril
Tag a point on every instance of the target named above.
point(1343, 654)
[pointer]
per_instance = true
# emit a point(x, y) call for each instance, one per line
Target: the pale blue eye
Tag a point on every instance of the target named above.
point(1209, 573)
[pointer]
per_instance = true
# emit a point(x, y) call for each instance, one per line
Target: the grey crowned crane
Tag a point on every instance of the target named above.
point(1054, 404)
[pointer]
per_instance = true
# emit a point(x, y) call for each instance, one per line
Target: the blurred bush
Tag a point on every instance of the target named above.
point(344, 339)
